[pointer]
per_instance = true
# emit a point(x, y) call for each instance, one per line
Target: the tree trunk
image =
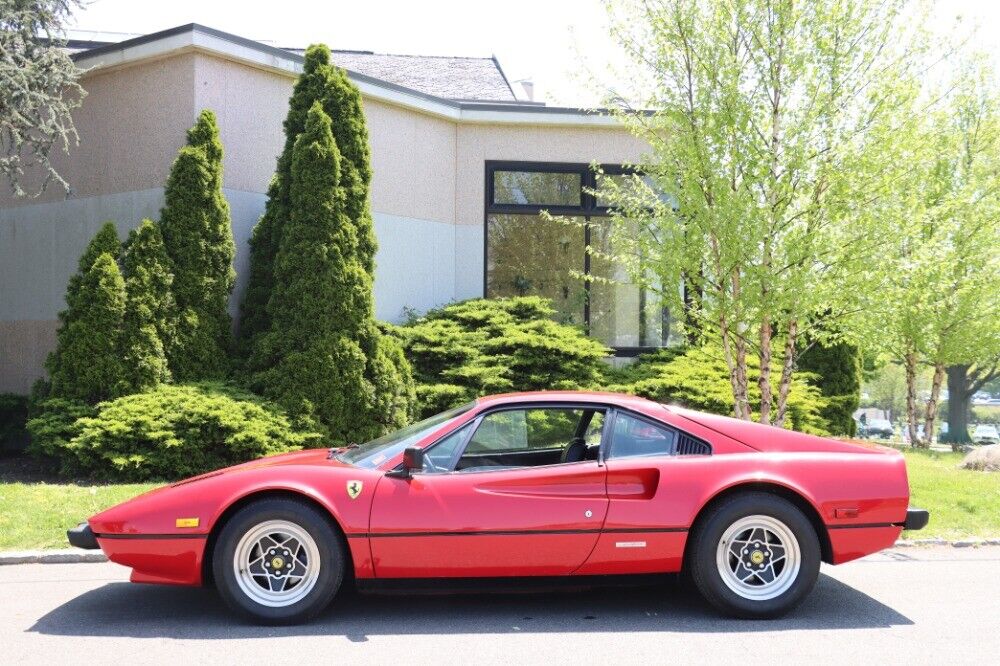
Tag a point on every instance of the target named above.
point(911, 394)
point(930, 415)
point(787, 371)
point(959, 395)
point(740, 394)
point(764, 381)
point(731, 363)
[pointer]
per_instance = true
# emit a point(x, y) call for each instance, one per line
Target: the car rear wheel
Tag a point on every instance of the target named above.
point(755, 556)
point(278, 561)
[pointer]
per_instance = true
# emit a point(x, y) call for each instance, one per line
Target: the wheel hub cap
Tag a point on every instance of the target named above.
point(276, 563)
point(758, 557)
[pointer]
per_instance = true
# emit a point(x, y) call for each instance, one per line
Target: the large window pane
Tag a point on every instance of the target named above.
point(626, 184)
point(621, 313)
point(537, 188)
point(528, 255)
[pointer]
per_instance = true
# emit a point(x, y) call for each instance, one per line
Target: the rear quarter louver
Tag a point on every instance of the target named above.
point(691, 446)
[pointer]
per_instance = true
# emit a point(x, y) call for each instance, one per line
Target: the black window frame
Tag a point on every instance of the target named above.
point(675, 452)
point(588, 208)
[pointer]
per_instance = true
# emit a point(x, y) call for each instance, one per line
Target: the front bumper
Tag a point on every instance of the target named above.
point(916, 519)
point(82, 536)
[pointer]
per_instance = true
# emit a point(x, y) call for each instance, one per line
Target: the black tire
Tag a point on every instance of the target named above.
point(705, 539)
point(330, 548)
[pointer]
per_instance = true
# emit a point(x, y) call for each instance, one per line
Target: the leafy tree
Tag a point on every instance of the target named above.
point(150, 316)
point(40, 89)
point(776, 125)
point(482, 346)
point(324, 357)
point(837, 370)
point(86, 364)
point(320, 81)
point(198, 236)
point(964, 381)
point(942, 305)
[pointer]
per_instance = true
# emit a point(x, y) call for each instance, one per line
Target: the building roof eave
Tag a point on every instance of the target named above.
point(196, 37)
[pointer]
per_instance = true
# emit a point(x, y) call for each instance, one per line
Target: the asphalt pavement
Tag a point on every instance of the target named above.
point(914, 605)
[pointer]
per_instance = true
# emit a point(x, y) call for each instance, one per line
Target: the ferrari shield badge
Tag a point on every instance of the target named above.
point(354, 489)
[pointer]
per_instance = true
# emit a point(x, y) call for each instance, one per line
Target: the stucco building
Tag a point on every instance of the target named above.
point(462, 167)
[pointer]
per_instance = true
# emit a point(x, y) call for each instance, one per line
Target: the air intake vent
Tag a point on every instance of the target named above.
point(689, 446)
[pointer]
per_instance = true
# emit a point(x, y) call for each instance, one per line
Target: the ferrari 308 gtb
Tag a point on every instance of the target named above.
point(551, 484)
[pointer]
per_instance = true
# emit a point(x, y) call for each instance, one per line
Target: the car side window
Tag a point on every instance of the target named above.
point(439, 456)
point(531, 437)
point(635, 438)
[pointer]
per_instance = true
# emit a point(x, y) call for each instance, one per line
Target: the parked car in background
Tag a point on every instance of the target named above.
point(986, 433)
point(879, 429)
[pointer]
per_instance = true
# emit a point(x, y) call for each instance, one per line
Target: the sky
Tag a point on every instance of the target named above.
point(561, 45)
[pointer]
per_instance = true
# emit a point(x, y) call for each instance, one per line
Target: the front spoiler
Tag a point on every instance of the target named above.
point(82, 536)
point(916, 519)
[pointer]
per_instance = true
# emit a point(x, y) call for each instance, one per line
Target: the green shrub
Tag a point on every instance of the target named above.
point(698, 378)
point(198, 237)
point(321, 82)
point(324, 357)
point(151, 315)
point(105, 241)
point(167, 433)
point(836, 368)
point(86, 364)
point(13, 419)
point(483, 346)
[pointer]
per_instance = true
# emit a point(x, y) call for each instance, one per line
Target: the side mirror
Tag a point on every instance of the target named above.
point(413, 461)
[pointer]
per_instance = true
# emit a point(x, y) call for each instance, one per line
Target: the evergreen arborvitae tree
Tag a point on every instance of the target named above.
point(341, 101)
point(150, 316)
point(198, 236)
point(837, 367)
point(86, 364)
point(104, 241)
point(324, 357)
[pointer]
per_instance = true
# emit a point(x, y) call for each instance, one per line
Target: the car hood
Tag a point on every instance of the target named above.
point(306, 457)
point(772, 439)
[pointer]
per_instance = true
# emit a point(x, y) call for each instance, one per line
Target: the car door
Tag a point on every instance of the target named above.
point(471, 514)
point(645, 490)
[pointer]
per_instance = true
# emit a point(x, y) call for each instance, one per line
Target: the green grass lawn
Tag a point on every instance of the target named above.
point(37, 515)
point(963, 504)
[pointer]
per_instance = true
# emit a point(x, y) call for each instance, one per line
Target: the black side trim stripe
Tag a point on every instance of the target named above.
point(383, 535)
point(862, 525)
point(151, 536)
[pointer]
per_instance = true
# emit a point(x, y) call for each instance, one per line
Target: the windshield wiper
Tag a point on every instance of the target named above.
point(339, 449)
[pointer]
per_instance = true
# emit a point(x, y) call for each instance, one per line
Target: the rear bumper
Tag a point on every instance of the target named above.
point(82, 536)
point(916, 519)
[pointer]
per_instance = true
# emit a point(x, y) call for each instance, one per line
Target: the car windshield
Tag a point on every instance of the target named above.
point(373, 453)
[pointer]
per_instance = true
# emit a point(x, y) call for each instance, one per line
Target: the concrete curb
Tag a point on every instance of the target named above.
point(959, 543)
point(78, 555)
point(63, 556)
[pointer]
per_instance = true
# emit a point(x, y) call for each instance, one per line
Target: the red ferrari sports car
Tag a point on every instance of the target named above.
point(531, 484)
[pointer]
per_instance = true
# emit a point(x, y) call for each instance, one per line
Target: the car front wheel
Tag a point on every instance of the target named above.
point(278, 561)
point(755, 556)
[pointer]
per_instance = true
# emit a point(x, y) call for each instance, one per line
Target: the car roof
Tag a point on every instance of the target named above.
point(595, 397)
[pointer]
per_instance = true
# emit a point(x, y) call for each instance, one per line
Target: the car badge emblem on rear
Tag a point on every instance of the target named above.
point(354, 489)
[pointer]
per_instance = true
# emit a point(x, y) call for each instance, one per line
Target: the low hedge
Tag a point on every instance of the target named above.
point(167, 433)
